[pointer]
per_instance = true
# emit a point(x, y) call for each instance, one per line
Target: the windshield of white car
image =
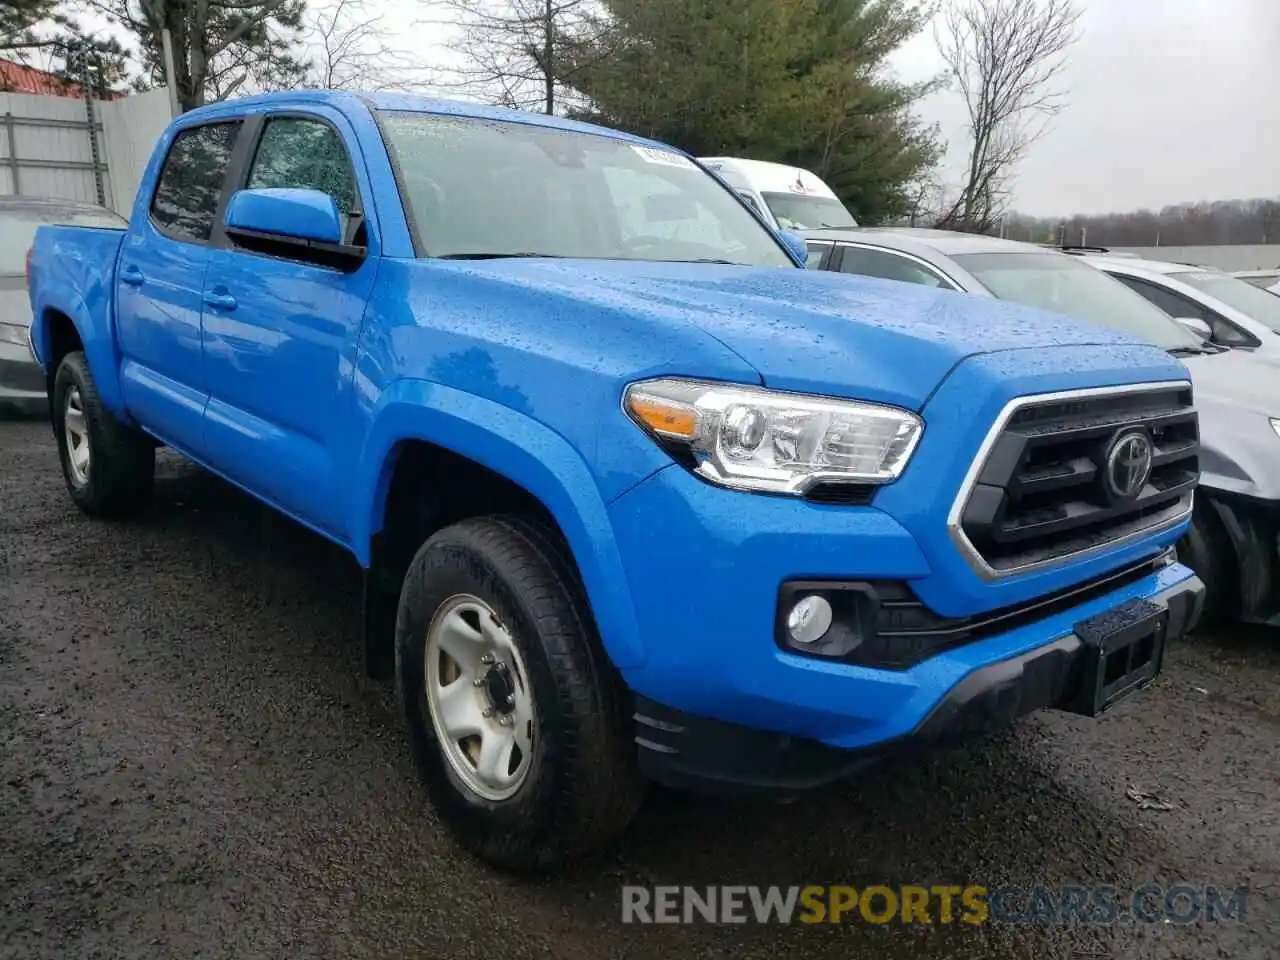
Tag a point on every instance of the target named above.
point(1254, 302)
point(795, 212)
point(477, 188)
point(1057, 282)
point(18, 225)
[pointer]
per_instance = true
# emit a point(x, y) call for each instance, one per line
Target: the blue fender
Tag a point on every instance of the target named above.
point(95, 335)
point(524, 451)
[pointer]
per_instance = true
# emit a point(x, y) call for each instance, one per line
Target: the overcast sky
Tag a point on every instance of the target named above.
point(1169, 101)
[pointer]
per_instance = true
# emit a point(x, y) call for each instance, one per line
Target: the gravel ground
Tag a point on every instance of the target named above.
point(193, 765)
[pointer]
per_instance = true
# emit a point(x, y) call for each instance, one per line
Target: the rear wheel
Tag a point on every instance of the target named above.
point(108, 466)
point(1206, 549)
point(515, 714)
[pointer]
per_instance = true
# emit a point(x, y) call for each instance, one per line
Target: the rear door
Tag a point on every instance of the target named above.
point(281, 334)
point(160, 283)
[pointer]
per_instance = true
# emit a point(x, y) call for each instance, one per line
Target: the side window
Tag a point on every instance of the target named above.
point(304, 154)
point(1174, 304)
point(890, 266)
point(186, 198)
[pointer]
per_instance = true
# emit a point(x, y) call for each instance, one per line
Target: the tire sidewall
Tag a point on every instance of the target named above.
point(443, 570)
point(67, 377)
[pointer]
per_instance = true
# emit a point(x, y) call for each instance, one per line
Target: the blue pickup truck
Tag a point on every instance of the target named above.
point(637, 497)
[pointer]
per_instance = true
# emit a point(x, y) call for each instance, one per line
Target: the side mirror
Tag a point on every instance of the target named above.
point(1197, 326)
point(795, 243)
point(291, 223)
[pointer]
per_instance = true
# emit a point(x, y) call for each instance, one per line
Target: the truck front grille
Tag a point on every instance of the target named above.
point(1064, 475)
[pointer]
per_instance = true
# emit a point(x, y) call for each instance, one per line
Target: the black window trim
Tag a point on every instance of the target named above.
point(241, 166)
point(837, 262)
point(238, 123)
point(1247, 341)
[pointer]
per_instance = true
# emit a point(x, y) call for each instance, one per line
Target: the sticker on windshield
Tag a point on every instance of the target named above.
point(664, 157)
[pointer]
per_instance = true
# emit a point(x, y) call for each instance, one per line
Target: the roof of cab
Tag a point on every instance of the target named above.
point(412, 103)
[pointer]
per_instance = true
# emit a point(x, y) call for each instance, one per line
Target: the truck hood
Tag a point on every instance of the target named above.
point(808, 330)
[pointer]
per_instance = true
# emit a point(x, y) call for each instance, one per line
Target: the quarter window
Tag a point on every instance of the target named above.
point(186, 198)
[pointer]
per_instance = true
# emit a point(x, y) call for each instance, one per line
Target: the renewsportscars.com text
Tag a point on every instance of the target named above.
point(971, 904)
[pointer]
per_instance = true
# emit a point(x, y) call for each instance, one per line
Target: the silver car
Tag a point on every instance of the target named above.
point(1234, 534)
point(22, 385)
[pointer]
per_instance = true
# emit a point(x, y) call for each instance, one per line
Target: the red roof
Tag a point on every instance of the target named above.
point(19, 78)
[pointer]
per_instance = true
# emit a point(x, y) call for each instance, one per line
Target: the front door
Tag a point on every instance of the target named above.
point(280, 336)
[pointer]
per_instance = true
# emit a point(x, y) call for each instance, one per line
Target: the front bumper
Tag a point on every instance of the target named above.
point(705, 584)
point(696, 753)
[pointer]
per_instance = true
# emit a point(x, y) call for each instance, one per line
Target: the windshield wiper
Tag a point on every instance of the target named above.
point(1190, 351)
point(499, 256)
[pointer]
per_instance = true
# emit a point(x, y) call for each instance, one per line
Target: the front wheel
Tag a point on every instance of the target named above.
point(108, 466)
point(515, 715)
point(1206, 549)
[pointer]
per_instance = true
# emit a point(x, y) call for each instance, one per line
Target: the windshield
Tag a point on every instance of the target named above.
point(18, 229)
point(807, 213)
point(1054, 281)
point(1253, 302)
point(479, 188)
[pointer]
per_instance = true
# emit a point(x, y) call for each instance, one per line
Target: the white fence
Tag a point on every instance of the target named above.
point(47, 148)
point(1225, 257)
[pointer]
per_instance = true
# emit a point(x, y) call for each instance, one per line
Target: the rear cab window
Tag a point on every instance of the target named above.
point(185, 203)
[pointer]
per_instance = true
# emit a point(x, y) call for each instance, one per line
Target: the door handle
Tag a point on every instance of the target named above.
point(132, 276)
point(220, 301)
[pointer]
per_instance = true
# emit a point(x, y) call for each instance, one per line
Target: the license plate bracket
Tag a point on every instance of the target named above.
point(1123, 652)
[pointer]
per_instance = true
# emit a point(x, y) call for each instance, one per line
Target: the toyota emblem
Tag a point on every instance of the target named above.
point(1128, 465)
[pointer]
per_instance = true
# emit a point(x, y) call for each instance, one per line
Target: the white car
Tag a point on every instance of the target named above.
point(788, 198)
point(1268, 280)
point(1216, 305)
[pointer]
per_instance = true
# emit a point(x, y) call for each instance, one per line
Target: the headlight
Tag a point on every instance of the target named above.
point(750, 438)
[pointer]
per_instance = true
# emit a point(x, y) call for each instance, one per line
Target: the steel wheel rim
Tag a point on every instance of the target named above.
point(479, 698)
point(77, 437)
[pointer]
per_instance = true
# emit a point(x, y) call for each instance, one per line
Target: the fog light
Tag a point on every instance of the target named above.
point(809, 620)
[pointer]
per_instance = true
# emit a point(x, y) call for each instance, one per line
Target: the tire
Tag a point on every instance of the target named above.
point(116, 477)
point(1207, 550)
point(580, 787)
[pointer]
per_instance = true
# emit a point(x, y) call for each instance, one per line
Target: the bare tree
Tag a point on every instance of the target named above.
point(352, 50)
point(220, 47)
point(522, 53)
point(1006, 56)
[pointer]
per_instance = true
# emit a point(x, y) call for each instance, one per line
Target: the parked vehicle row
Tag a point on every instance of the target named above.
point(1232, 540)
point(637, 497)
point(22, 382)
